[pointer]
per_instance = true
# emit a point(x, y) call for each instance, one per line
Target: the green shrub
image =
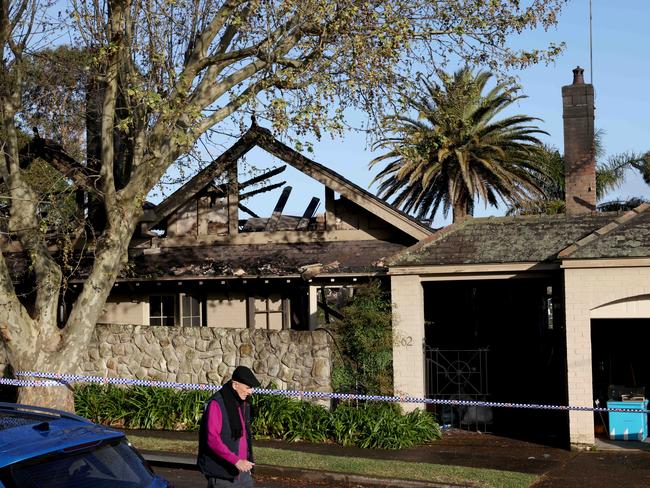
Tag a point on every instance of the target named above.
point(102, 404)
point(272, 414)
point(346, 424)
point(310, 425)
point(281, 417)
point(378, 425)
point(375, 425)
point(141, 407)
point(365, 339)
point(164, 408)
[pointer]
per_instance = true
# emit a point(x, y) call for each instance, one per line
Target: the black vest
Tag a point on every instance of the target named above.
point(209, 463)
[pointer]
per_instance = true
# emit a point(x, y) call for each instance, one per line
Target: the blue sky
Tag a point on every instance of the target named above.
point(621, 76)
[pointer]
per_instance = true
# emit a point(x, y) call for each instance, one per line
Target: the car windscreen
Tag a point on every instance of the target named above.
point(114, 465)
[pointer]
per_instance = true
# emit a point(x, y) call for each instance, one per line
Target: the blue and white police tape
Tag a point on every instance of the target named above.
point(59, 379)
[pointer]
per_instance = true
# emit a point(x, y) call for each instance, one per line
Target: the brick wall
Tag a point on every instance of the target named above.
point(579, 157)
point(408, 337)
point(587, 295)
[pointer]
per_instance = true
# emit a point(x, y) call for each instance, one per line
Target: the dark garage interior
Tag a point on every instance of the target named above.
point(500, 341)
point(619, 362)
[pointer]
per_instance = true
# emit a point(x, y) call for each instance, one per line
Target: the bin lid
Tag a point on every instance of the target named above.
point(626, 393)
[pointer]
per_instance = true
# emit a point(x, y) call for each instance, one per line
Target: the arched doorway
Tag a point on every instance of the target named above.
point(620, 337)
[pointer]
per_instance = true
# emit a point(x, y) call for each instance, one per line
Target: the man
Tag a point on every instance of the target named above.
point(225, 448)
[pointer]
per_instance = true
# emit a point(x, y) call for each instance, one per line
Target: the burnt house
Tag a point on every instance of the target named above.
point(195, 262)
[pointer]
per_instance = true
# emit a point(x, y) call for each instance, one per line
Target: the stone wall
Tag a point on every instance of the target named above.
point(291, 359)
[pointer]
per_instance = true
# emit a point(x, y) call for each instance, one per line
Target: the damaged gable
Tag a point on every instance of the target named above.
point(200, 209)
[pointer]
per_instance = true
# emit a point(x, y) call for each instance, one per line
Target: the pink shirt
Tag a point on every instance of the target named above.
point(215, 443)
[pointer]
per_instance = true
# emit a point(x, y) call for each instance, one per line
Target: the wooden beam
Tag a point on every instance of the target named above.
point(309, 213)
point(248, 210)
point(272, 223)
point(250, 312)
point(262, 177)
point(286, 314)
point(330, 216)
point(233, 199)
point(251, 193)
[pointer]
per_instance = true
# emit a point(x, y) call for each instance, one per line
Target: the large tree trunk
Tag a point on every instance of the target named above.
point(37, 344)
point(60, 397)
point(32, 357)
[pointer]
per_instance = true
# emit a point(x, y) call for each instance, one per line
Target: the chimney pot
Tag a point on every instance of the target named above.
point(578, 76)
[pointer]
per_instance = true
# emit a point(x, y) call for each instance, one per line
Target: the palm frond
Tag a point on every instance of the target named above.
point(456, 151)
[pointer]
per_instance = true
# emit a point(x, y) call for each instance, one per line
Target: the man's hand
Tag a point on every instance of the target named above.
point(244, 466)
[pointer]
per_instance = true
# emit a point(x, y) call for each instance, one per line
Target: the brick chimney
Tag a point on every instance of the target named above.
point(579, 157)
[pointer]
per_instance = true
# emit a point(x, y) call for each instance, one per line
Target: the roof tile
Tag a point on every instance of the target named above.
point(503, 240)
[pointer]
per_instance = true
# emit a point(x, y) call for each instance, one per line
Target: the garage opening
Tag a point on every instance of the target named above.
point(501, 341)
point(620, 366)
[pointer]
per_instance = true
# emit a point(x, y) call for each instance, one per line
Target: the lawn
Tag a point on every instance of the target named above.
point(362, 466)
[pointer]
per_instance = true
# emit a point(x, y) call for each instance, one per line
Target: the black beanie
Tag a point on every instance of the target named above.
point(244, 375)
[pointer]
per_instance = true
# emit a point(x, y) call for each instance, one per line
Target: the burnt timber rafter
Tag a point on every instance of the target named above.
point(262, 177)
point(263, 138)
point(272, 223)
point(309, 213)
point(264, 189)
point(248, 210)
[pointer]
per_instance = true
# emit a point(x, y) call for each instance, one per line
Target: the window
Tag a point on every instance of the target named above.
point(162, 310)
point(182, 309)
point(271, 312)
point(190, 310)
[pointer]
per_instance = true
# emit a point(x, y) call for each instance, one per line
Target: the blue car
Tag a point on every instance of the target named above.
point(40, 447)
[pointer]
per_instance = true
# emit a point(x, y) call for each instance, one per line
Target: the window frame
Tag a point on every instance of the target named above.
point(283, 311)
point(163, 316)
point(200, 302)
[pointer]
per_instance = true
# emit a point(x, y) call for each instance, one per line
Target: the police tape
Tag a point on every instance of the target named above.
point(59, 379)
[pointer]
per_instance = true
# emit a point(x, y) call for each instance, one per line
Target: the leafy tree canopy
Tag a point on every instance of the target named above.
point(156, 79)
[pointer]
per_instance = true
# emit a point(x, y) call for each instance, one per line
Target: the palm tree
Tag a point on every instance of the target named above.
point(641, 162)
point(456, 151)
point(610, 174)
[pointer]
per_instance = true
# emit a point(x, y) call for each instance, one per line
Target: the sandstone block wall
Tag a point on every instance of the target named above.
point(291, 359)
